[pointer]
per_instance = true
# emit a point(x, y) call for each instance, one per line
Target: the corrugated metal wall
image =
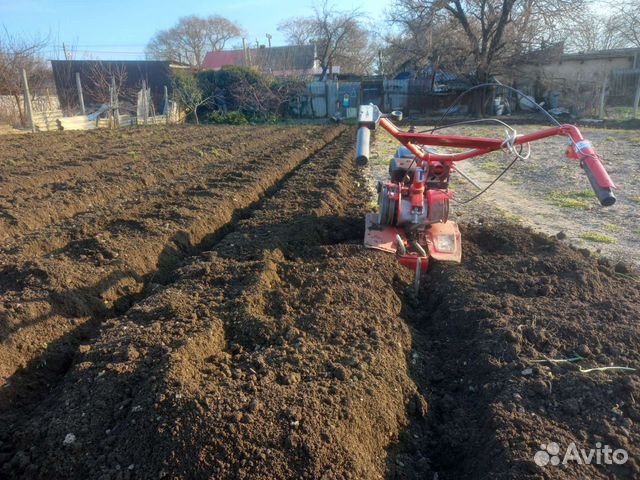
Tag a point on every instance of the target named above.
point(326, 99)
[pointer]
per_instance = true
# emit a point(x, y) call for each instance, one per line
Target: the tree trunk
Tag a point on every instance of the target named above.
point(479, 97)
point(325, 69)
point(195, 114)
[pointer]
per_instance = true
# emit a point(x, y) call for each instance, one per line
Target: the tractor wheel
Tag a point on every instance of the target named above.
point(388, 208)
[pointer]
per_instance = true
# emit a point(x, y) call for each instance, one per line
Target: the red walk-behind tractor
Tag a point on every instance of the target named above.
point(413, 206)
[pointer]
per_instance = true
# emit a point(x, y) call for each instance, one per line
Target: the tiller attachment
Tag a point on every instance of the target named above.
point(440, 241)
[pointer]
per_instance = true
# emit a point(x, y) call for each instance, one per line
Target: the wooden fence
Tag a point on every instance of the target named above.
point(43, 119)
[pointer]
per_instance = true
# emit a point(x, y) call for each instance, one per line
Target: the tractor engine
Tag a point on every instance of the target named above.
point(394, 200)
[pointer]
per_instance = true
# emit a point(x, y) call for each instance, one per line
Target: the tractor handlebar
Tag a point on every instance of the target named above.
point(362, 146)
point(605, 194)
point(369, 116)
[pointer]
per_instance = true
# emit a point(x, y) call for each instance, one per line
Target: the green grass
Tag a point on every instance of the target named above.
point(508, 216)
point(581, 199)
point(491, 166)
point(612, 227)
point(598, 237)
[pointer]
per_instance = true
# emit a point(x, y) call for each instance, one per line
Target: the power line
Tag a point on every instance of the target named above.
point(112, 45)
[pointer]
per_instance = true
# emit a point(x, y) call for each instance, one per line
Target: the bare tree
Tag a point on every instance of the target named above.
point(17, 54)
point(422, 37)
point(339, 35)
point(192, 38)
point(492, 32)
point(299, 31)
point(99, 81)
point(592, 31)
point(627, 18)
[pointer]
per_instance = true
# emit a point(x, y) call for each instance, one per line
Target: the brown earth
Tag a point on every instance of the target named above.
point(96, 258)
point(225, 322)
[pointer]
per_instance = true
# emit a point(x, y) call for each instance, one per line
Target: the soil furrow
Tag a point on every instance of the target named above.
point(131, 210)
point(105, 183)
point(59, 298)
point(265, 342)
point(483, 333)
point(260, 350)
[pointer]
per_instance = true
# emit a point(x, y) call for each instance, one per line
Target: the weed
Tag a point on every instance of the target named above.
point(580, 199)
point(508, 216)
point(133, 154)
point(612, 227)
point(491, 166)
point(635, 199)
point(598, 237)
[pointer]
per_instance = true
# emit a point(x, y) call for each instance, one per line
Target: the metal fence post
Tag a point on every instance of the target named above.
point(636, 99)
point(603, 95)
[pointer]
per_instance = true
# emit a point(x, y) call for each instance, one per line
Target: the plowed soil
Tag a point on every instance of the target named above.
point(205, 309)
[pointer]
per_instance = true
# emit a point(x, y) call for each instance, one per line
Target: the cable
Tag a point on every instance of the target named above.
point(515, 159)
point(485, 85)
point(508, 145)
point(466, 122)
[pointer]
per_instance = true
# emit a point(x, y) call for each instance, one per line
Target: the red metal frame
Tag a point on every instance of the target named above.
point(580, 149)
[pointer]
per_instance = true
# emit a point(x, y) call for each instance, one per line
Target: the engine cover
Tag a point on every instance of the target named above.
point(394, 209)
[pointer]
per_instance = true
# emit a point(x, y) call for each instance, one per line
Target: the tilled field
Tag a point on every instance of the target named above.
point(178, 306)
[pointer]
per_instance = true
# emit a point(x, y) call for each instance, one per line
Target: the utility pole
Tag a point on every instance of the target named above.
point(166, 108)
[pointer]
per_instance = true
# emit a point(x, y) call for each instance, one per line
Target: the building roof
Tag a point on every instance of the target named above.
point(271, 59)
point(599, 54)
point(555, 53)
point(217, 60)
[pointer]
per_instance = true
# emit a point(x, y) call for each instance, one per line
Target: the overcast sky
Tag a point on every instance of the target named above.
point(120, 29)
